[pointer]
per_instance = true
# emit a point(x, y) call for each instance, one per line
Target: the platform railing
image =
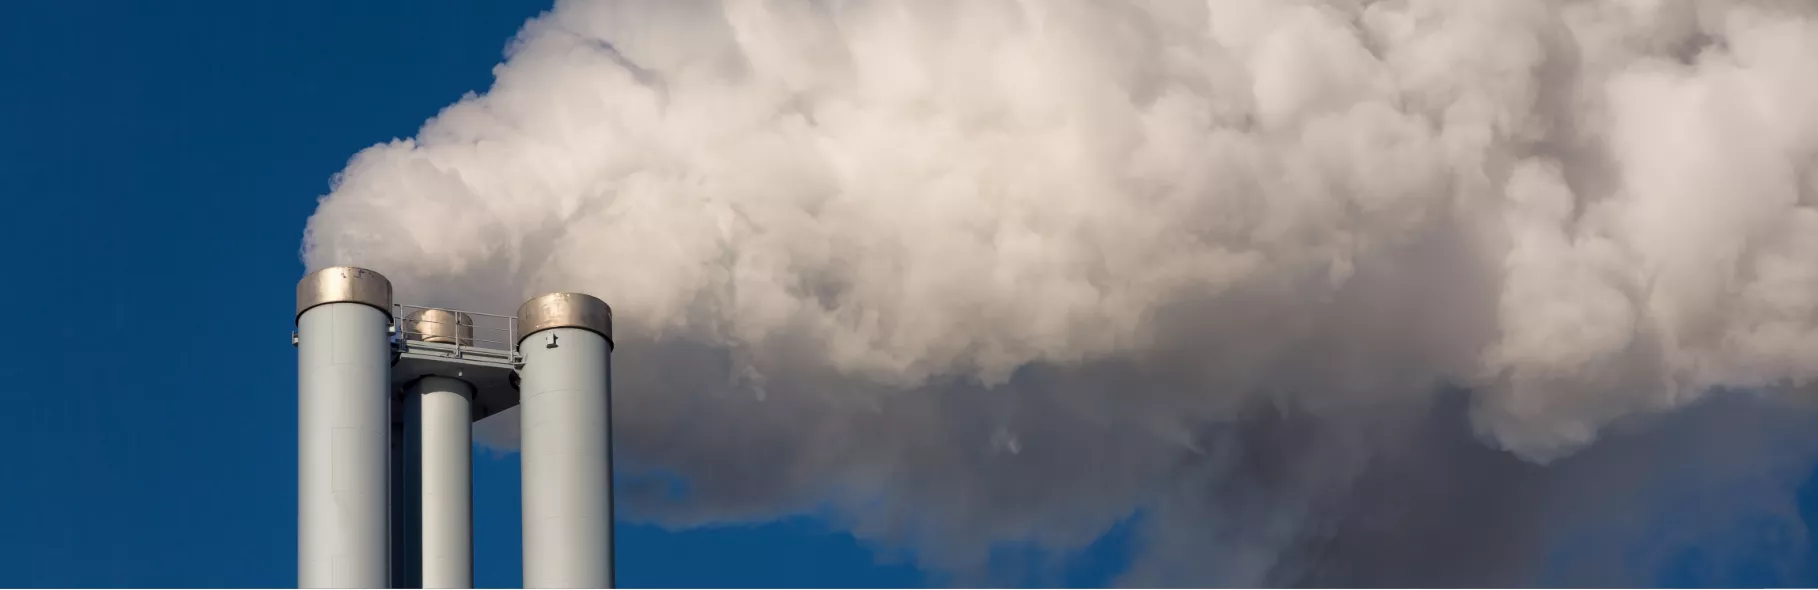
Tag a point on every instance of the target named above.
point(484, 334)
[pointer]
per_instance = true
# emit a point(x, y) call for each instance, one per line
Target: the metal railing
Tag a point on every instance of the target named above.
point(483, 335)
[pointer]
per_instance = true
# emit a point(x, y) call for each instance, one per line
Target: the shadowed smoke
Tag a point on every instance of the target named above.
point(1340, 292)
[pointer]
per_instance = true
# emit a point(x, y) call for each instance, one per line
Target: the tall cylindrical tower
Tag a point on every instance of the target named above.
point(444, 412)
point(565, 413)
point(446, 407)
point(343, 428)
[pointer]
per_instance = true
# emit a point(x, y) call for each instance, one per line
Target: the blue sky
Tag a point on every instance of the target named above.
point(160, 160)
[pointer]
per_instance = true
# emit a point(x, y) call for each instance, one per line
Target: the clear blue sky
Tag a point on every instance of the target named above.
point(160, 160)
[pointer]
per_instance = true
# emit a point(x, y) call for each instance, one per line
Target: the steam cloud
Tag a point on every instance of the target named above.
point(1315, 291)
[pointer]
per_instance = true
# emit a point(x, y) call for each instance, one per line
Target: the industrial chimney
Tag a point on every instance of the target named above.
point(343, 416)
point(387, 396)
point(566, 441)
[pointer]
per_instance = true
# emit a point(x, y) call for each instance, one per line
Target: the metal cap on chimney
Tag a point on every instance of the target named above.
point(439, 325)
point(565, 310)
point(344, 284)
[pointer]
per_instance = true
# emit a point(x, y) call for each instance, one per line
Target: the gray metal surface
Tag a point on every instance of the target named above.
point(566, 458)
point(564, 310)
point(489, 371)
point(439, 325)
point(445, 407)
point(343, 424)
point(344, 284)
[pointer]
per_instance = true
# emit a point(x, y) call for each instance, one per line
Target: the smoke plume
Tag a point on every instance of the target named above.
point(1320, 291)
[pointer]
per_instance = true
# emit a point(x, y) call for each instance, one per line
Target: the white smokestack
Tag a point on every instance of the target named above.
point(991, 261)
point(343, 417)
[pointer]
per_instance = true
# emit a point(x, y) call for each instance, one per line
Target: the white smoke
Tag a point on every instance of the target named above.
point(986, 270)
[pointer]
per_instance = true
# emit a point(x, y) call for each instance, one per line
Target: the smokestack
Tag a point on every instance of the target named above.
point(343, 420)
point(445, 407)
point(440, 424)
point(566, 420)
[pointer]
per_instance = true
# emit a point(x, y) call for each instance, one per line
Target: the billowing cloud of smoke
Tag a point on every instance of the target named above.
point(965, 273)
